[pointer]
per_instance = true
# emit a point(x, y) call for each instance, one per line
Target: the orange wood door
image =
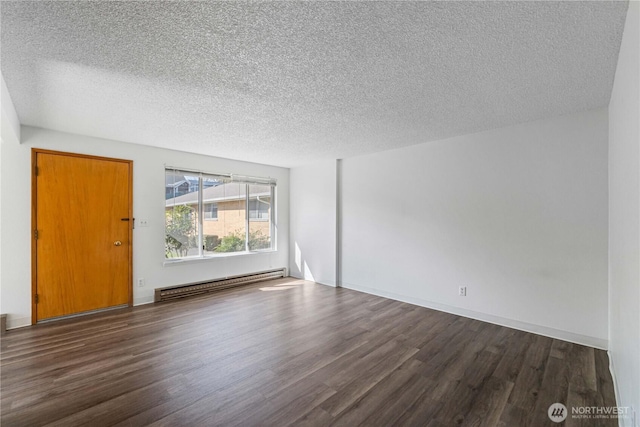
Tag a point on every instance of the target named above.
point(83, 246)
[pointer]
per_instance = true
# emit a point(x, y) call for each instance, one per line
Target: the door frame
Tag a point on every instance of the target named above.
point(34, 221)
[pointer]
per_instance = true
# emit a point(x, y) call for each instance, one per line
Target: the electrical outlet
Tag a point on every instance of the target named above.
point(143, 222)
point(462, 291)
point(140, 282)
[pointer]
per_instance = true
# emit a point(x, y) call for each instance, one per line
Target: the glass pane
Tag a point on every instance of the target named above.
point(259, 217)
point(224, 225)
point(211, 211)
point(181, 214)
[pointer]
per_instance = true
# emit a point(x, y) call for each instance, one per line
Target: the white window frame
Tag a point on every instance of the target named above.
point(228, 178)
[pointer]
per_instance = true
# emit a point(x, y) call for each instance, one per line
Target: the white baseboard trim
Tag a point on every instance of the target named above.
point(18, 322)
point(331, 283)
point(143, 300)
point(485, 317)
point(612, 371)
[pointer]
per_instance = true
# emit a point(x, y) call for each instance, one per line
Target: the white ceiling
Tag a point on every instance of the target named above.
point(285, 83)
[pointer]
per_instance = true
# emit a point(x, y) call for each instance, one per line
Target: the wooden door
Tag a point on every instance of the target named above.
point(82, 216)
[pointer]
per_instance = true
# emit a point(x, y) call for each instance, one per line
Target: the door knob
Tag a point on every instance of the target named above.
point(117, 243)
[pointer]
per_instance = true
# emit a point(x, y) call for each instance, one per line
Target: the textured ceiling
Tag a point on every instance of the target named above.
point(287, 83)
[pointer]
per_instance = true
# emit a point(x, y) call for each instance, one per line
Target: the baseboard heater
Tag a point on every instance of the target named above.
point(189, 289)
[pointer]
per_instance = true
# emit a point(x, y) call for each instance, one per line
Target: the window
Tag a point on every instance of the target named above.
point(259, 197)
point(208, 214)
point(211, 211)
point(259, 207)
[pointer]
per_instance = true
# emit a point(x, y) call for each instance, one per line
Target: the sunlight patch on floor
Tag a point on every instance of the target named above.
point(283, 287)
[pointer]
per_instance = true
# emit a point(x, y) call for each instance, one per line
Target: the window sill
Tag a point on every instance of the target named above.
point(177, 261)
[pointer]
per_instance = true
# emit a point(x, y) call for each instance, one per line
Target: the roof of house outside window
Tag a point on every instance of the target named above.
point(220, 193)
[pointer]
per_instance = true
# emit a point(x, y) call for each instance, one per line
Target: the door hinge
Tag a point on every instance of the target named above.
point(36, 298)
point(35, 234)
point(35, 171)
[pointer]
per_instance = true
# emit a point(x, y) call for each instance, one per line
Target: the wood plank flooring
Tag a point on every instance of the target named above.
point(289, 352)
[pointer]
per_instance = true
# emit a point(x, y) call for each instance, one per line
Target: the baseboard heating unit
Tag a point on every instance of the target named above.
point(189, 289)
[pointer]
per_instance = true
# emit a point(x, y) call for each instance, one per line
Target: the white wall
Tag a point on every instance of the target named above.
point(148, 190)
point(9, 136)
point(624, 217)
point(313, 222)
point(10, 123)
point(517, 214)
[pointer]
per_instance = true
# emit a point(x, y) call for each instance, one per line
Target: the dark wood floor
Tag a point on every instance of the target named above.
point(289, 352)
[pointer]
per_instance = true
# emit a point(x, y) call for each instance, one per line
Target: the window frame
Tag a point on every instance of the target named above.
point(247, 181)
